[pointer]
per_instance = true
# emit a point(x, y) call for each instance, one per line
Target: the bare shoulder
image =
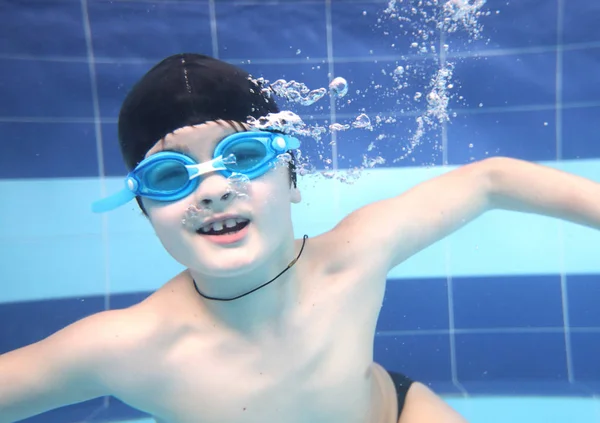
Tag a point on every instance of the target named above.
point(422, 405)
point(338, 251)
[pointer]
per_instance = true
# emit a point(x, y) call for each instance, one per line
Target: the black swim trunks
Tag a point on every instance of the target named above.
point(402, 383)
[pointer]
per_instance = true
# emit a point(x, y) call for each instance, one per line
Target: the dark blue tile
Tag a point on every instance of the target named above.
point(584, 350)
point(151, 30)
point(583, 294)
point(48, 89)
point(414, 304)
point(581, 21)
point(48, 150)
point(580, 82)
point(362, 29)
point(21, 322)
point(507, 80)
point(114, 82)
point(501, 302)
point(425, 358)
point(511, 357)
point(42, 28)
point(277, 31)
point(510, 25)
point(522, 135)
point(392, 142)
point(70, 414)
point(374, 87)
point(581, 127)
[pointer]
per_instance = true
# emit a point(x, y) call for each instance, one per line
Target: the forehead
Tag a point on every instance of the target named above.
point(195, 138)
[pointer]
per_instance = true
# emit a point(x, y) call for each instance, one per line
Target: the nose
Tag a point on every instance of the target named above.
point(214, 192)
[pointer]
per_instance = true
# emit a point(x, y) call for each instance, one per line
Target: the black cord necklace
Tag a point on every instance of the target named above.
point(289, 266)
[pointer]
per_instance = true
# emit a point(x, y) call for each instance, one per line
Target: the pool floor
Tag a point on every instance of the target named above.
point(519, 409)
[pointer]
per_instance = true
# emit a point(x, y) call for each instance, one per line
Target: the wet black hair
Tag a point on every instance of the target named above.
point(183, 90)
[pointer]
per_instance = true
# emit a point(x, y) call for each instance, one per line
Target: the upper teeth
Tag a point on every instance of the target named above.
point(217, 226)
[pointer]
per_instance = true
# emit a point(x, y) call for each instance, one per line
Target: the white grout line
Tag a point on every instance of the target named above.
point(331, 71)
point(296, 61)
point(483, 331)
point(213, 28)
point(99, 144)
point(559, 157)
point(332, 105)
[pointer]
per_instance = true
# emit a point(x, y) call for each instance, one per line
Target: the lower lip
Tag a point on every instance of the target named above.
point(229, 238)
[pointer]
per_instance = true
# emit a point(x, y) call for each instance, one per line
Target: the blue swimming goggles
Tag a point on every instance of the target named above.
point(171, 176)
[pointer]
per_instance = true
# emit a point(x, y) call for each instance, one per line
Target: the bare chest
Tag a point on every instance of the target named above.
point(316, 369)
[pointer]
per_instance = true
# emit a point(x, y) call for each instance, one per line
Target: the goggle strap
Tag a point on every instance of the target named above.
point(118, 199)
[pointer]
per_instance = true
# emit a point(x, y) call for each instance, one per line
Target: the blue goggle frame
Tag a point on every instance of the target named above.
point(224, 161)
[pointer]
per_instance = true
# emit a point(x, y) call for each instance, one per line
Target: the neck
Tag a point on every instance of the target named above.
point(254, 300)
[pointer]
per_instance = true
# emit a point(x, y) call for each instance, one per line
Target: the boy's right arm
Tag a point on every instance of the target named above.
point(63, 369)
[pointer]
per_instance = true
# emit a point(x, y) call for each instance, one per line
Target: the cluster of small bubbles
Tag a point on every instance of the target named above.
point(362, 121)
point(283, 160)
point(338, 87)
point(231, 159)
point(338, 127)
point(297, 92)
point(194, 216)
point(371, 162)
point(238, 185)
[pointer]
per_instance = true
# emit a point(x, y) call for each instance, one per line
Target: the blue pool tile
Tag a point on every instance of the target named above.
point(391, 141)
point(501, 302)
point(373, 87)
point(477, 136)
point(80, 412)
point(580, 83)
point(583, 294)
point(425, 358)
point(48, 150)
point(511, 357)
point(149, 29)
point(274, 32)
point(414, 304)
point(510, 25)
point(114, 82)
point(506, 80)
point(21, 321)
point(584, 350)
point(362, 29)
point(580, 127)
point(581, 21)
point(45, 89)
point(42, 28)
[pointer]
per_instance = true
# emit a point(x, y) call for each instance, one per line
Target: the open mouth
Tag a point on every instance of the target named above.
point(224, 227)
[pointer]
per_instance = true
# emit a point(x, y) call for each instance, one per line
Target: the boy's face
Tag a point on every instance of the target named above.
point(267, 206)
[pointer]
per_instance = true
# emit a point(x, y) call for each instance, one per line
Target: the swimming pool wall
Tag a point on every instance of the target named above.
point(506, 306)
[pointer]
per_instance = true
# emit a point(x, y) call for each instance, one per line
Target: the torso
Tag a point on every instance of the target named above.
point(317, 367)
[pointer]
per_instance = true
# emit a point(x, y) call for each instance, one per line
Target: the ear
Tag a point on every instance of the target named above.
point(295, 195)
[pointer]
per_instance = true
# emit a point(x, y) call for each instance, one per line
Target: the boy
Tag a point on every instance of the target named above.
point(260, 327)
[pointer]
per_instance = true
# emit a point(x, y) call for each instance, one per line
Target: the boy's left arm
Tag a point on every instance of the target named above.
point(390, 231)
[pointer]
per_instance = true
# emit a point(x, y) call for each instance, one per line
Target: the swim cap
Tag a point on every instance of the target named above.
point(182, 90)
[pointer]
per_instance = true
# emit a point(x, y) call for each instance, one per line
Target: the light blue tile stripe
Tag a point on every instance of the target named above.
point(52, 244)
